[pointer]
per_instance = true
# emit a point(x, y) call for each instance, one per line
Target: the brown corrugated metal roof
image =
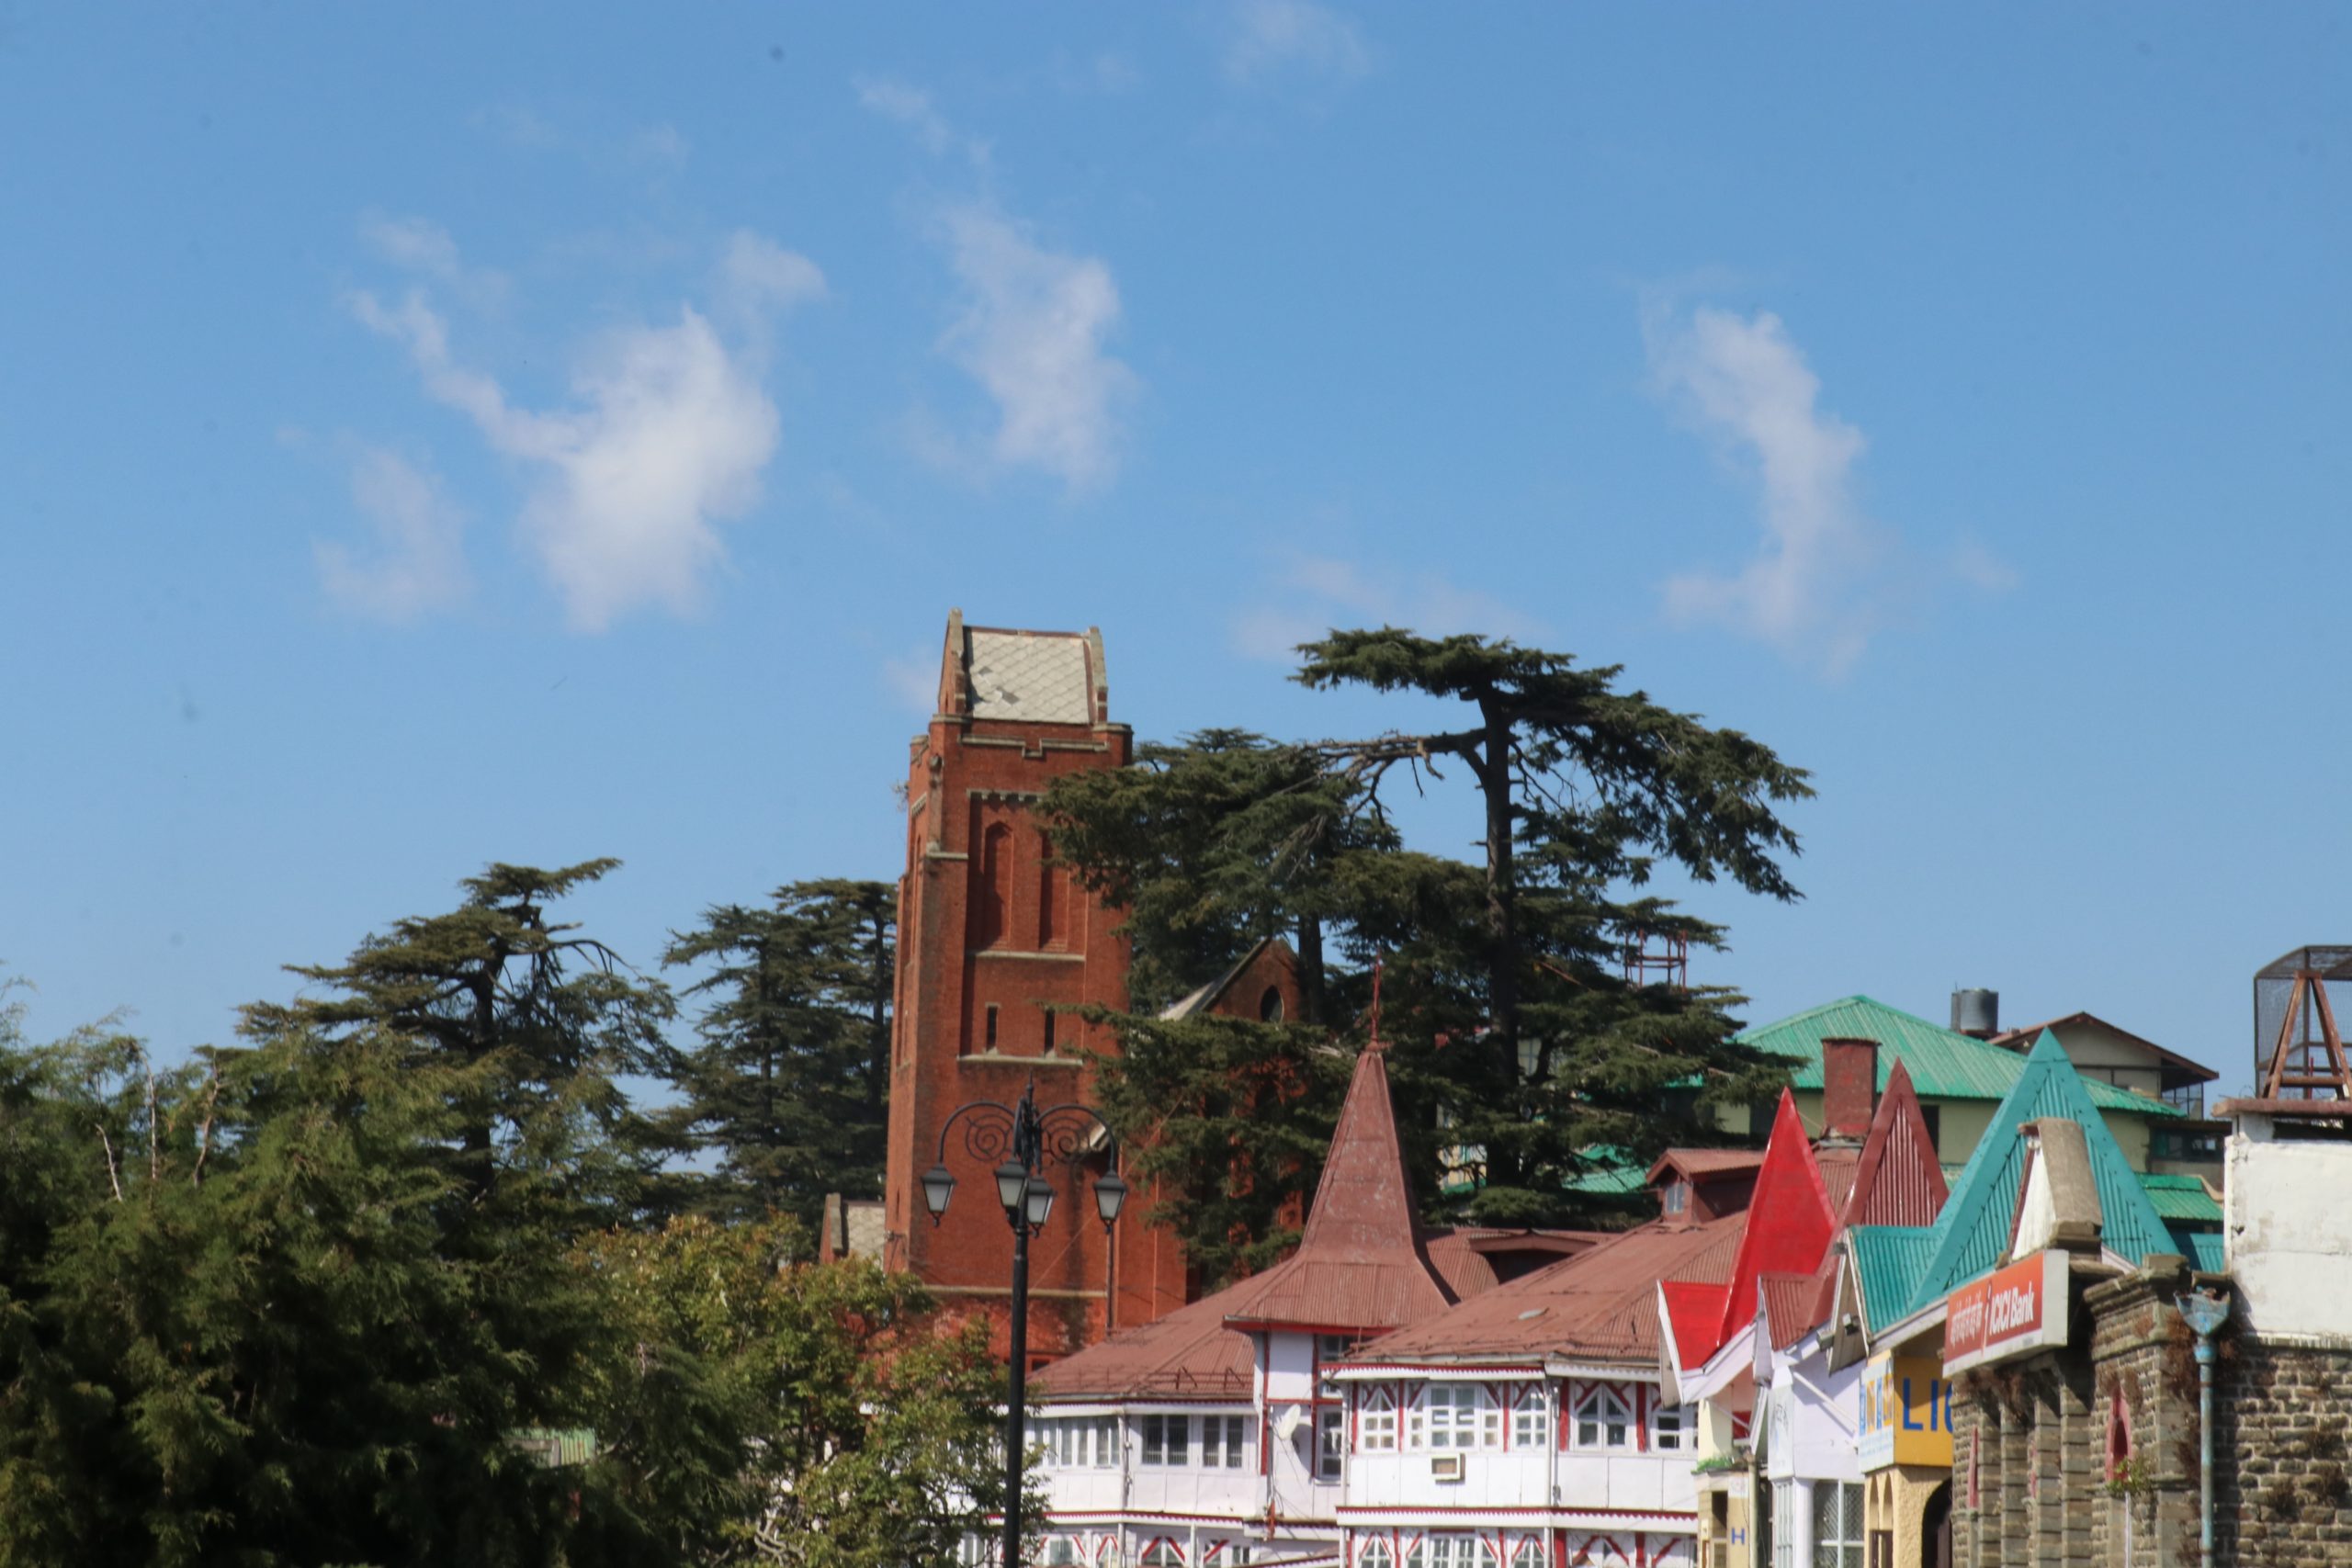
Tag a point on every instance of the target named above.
point(1601, 1305)
point(1699, 1164)
point(1788, 1305)
point(1363, 1266)
point(1189, 1354)
point(1455, 1255)
point(1362, 1263)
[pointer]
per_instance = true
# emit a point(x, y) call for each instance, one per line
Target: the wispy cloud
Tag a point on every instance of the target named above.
point(421, 246)
point(1271, 38)
point(1031, 327)
point(1818, 585)
point(1323, 591)
point(667, 435)
point(418, 563)
point(908, 106)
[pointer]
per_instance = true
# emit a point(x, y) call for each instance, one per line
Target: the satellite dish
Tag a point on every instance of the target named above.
point(1287, 1422)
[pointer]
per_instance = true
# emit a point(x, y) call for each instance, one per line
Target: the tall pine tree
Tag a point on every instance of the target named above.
point(1520, 1046)
point(790, 1084)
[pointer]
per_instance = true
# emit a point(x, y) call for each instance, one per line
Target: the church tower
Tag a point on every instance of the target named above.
point(991, 933)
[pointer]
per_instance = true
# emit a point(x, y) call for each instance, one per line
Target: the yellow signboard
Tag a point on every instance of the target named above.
point(1906, 1413)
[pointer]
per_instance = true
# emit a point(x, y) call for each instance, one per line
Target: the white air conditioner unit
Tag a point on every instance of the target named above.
point(1445, 1467)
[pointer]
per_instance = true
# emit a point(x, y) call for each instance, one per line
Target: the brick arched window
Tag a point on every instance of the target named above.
point(992, 888)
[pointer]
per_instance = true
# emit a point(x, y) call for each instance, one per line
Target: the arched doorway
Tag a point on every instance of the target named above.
point(1935, 1528)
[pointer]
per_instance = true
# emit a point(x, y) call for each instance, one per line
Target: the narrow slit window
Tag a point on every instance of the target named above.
point(1049, 1031)
point(988, 1038)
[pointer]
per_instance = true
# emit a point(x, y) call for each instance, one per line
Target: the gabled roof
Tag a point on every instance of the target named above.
point(1790, 1222)
point(1202, 998)
point(1704, 1165)
point(1786, 1301)
point(1600, 1305)
point(1971, 1236)
point(1897, 1180)
point(2180, 1199)
point(1362, 1263)
point(2021, 1041)
point(1943, 1065)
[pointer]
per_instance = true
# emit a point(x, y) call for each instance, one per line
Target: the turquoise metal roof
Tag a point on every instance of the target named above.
point(1943, 1065)
point(2180, 1199)
point(1608, 1170)
point(1887, 1259)
point(1971, 1236)
point(2205, 1250)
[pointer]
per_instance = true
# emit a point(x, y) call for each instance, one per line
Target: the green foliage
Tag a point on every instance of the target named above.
point(790, 1084)
point(1518, 1040)
point(761, 1409)
point(294, 1302)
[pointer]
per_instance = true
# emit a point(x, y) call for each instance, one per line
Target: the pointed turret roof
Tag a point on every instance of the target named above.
point(1362, 1268)
point(1971, 1236)
point(1897, 1180)
point(1789, 1220)
point(1362, 1263)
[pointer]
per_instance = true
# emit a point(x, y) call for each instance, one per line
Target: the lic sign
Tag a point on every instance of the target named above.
point(1906, 1413)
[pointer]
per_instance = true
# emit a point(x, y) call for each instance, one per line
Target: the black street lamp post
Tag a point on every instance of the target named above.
point(1027, 1137)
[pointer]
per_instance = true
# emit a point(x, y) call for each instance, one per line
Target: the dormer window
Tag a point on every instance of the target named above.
point(1678, 1196)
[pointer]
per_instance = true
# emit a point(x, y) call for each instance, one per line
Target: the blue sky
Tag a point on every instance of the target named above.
point(437, 434)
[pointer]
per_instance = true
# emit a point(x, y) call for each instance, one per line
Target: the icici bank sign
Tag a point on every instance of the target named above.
point(2010, 1312)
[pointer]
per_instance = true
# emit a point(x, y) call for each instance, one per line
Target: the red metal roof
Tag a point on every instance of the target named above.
point(1897, 1180)
point(1456, 1256)
point(1601, 1304)
point(1790, 1221)
point(1788, 1305)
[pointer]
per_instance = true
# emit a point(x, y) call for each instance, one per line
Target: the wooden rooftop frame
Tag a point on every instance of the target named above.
point(2277, 1080)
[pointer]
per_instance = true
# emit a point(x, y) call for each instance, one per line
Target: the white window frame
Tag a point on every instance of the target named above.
point(1456, 1417)
point(1374, 1554)
point(1164, 1436)
point(1221, 1442)
point(1160, 1553)
point(1377, 1428)
point(1603, 1408)
point(1331, 1441)
point(1531, 1417)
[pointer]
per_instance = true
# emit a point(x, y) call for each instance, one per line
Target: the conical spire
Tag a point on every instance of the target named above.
point(1360, 1261)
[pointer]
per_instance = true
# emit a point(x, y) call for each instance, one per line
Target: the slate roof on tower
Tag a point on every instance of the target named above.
point(1024, 677)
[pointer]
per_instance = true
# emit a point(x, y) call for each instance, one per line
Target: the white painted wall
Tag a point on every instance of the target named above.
point(2289, 1230)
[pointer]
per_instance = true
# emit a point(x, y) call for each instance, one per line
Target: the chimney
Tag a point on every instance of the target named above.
point(1849, 1088)
point(1977, 1011)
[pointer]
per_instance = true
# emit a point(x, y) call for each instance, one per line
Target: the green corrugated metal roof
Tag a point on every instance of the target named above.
point(1887, 1259)
point(2181, 1198)
point(1610, 1170)
point(1943, 1065)
point(2206, 1250)
point(1972, 1235)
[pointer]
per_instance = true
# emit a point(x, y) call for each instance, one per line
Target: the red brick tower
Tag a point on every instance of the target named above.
point(990, 932)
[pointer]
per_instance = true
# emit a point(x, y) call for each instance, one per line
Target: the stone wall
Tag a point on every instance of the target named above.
point(2090, 1459)
point(2284, 1417)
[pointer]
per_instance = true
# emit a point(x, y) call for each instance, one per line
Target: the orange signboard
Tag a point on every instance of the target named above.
point(2010, 1312)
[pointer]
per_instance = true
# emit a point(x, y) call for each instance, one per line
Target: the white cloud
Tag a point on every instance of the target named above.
point(1324, 592)
point(1817, 587)
point(668, 435)
point(1031, 330)
point(1270, 37)
point(419, 562)
point(758, 275)
point(422, 246)
point(908, 106)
